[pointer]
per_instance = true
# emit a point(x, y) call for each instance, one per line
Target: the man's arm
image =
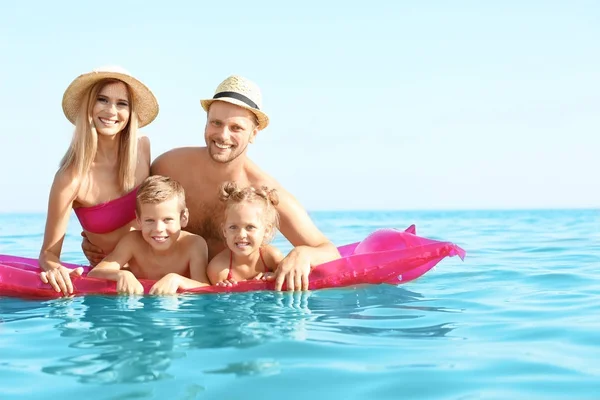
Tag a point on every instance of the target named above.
point(311, 247)
point(167, 162)
point(93, 253)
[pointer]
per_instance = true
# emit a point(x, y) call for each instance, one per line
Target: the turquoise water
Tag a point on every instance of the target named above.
point(519, 318)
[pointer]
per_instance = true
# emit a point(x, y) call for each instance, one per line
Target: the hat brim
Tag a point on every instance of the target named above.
point(261, 117)
point(145, 102)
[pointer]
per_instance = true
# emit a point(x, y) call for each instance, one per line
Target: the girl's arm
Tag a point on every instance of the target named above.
point(274, 257)
point(218, 268)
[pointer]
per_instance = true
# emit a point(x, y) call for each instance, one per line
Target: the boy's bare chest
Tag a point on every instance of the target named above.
point(154, 268)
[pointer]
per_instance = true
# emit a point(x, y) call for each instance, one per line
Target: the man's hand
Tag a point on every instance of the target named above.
point(294, 270)
point(93, 253)
point(60, 278)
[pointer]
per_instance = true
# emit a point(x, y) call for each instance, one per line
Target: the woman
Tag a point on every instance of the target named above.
point(102, 168)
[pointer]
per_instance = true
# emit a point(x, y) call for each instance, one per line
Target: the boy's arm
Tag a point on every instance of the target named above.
point(111, 267)
point(171, 283)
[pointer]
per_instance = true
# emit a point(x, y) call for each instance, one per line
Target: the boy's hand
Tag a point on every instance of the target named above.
point(168, 284)
point(128, 284)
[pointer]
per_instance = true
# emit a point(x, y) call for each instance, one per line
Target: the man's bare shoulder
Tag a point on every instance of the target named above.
point(258, 177)
point(176, 159)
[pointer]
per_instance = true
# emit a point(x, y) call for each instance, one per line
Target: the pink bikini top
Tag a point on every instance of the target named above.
point(109, 216)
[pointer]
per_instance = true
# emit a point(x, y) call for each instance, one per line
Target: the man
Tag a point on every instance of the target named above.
point(234, 118)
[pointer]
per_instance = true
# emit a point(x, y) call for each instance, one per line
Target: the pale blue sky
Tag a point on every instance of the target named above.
point(373, 105)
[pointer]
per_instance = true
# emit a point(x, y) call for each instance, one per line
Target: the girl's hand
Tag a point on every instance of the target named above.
point(227, 283)
point(264, 276)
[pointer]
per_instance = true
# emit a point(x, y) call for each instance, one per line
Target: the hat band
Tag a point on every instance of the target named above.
point(237, 96)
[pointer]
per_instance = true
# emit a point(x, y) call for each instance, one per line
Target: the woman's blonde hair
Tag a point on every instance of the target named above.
point(84, 144)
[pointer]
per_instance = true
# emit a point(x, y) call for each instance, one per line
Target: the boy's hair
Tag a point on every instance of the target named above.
point(232, 195)
point(157, 189)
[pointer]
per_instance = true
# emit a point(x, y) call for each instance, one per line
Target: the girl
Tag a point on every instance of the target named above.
point(250, 223)
point(102, 168)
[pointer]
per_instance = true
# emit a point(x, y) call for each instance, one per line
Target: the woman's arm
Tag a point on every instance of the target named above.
point(60, 203)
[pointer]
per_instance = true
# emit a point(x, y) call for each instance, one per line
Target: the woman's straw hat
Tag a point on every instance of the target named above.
point(241, 92)
point(145, 103)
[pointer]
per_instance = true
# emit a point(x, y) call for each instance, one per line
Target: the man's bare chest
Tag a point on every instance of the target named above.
point(206, 212)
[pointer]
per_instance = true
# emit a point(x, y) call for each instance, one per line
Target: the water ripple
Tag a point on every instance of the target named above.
point(517, 319)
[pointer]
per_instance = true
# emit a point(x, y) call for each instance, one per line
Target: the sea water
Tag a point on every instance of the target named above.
point(519, 318)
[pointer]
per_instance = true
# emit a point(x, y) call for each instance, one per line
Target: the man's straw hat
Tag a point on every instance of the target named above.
point(145, 102)
point(241, 92)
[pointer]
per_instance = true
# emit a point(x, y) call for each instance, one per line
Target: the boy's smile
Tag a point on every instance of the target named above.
point(160, 223)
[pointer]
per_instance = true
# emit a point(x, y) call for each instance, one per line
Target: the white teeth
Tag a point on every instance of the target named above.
point(108, 121)
point(222, 146)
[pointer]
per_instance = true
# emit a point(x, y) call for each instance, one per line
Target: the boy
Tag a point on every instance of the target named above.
point(160, 250)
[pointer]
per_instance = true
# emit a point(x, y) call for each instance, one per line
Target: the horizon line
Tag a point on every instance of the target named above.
point(493, 209)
